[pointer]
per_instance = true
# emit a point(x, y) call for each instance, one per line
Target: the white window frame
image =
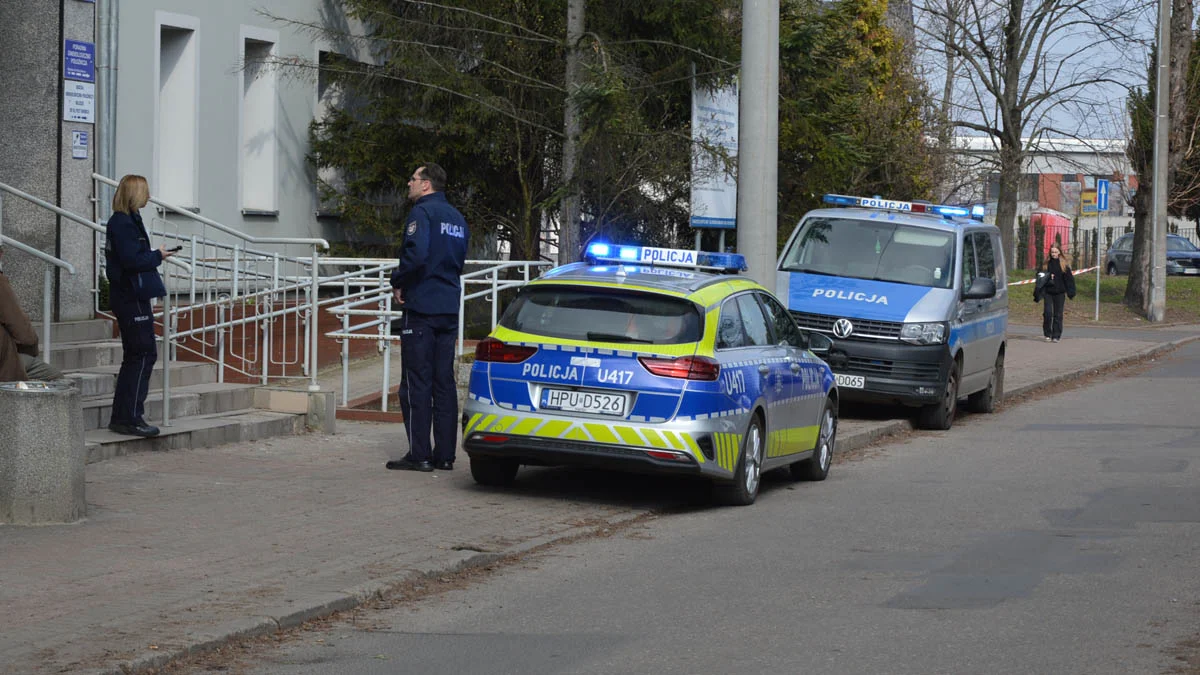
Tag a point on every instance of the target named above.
point(182, 22)
point(260, 35)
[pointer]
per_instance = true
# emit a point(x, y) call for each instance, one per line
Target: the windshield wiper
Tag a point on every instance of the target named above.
point(615, 337)
point(805, 270)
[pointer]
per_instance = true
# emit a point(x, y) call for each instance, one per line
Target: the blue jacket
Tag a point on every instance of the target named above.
point(130, 262)
point(431, 261)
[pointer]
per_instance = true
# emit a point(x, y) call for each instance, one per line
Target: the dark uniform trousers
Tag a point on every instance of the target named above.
point(136, 321)
point(427, 349)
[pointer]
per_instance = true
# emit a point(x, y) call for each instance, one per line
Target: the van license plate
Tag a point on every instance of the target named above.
point(592, 402)
point(850, 381)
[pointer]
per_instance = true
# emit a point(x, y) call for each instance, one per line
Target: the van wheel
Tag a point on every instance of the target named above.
point(748, 475)
point(986, 401)
point(494, 471)
point(941, 415)
point(1112, 269)
point(817, 466)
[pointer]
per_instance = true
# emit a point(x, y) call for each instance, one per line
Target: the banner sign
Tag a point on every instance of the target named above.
point(714, 125)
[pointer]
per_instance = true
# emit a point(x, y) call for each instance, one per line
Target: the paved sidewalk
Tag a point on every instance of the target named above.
point(183, 550)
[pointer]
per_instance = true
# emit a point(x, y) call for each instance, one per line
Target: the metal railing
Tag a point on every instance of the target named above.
point(373, 300)
point(47, 279)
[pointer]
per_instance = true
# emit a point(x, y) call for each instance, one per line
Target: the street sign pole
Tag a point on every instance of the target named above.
point(1101, 207)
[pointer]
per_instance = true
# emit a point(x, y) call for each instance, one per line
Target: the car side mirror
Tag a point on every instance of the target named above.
point(981, 289)
point(819, 344)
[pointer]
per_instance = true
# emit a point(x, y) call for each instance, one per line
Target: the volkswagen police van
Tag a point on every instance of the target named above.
point(914, 297)
point(651, 360)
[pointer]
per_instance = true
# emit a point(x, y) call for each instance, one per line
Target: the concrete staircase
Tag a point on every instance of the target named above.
point(203, 412)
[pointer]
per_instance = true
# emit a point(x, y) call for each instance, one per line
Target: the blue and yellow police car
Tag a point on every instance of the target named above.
point(651, 360)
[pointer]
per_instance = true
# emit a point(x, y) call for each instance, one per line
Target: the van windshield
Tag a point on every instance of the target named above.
point(871, 249)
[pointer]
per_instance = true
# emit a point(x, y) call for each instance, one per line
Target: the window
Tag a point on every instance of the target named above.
point(730, 334)
point(985, 256)
point(968, 266)
point(873, 249)
point(259, 144)
point(753, 321)
point(177, 113)
point(782, 325)
point(616, 316)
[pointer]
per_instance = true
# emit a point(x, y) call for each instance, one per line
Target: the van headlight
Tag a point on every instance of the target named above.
point(924, 333)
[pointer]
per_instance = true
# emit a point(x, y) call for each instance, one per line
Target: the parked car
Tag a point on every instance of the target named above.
point(1183, 257)
point(644, 360)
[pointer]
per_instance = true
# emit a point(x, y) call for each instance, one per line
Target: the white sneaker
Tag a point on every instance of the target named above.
point(1048, 339)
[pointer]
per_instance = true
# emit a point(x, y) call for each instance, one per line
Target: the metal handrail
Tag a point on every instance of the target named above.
point(47, 283)
point(224, 228)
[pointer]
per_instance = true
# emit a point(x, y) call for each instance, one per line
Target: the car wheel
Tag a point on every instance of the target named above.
point(1112, 269)
point(493, 471)
point(940, 415)
point(986, 401)
point(817, 466)
point(748, 475)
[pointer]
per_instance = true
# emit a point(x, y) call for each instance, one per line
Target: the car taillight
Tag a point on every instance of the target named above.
point(684, 367)
point(491, 349)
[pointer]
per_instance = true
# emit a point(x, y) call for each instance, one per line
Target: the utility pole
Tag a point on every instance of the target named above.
point(568, 225)
point(1157, 309)
point(758, 140)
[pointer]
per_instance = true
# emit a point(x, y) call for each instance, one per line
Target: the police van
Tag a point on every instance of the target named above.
point(914, 297)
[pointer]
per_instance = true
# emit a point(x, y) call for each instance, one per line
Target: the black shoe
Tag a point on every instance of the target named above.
point(444, 466)
point(143, 430)
point(407, 464)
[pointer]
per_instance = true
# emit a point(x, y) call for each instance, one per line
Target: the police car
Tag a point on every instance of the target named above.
point(651, 360)
point(914, 296)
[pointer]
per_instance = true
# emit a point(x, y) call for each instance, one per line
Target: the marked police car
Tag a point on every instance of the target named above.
point(650, 360)
point(914, 297)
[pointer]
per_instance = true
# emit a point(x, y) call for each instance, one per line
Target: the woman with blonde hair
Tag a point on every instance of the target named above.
point(132, 269)
point(1055, 283)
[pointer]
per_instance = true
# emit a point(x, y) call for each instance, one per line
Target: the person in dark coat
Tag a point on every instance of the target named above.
point(132, 269)
point(1054, 284)
point(427, 285)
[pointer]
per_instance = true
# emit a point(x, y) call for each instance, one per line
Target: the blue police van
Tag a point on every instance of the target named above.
point(914, 297)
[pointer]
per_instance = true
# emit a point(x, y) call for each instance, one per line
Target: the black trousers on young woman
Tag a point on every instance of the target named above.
point(1052, 314)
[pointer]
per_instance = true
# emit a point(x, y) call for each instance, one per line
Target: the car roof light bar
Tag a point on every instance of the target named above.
point(665, 257)
point(882, 204)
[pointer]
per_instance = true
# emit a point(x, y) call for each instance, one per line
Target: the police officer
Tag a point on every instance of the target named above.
point(132, 268)
point(426, 285)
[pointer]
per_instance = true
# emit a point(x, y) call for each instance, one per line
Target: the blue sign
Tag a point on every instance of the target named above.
point(79, 61)
point(1101, 195)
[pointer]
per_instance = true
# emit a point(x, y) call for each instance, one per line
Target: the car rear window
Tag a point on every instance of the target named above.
point(601, 315)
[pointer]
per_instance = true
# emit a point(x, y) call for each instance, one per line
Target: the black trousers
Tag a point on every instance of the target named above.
point(428, 395)
point(139, 353)
point(1052, 314)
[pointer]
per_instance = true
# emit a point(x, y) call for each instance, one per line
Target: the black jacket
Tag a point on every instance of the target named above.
point(431, 262)
point(1053, 279)
point(129, 261)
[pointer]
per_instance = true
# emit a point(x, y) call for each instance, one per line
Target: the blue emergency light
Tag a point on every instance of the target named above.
point(882, 204)
point(665, 257)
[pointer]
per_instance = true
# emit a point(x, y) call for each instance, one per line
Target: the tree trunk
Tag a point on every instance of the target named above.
point(1006, 204)
point(1139, 272)
point(568, 225)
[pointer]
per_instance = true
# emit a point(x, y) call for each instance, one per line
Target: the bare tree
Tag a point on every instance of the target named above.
point(1019, 71)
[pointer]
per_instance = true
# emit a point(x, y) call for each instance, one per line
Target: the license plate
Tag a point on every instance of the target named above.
point(592, 402)
point(1191, 270)
point(850, 381)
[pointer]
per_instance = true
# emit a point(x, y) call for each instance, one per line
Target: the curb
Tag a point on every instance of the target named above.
point(327, 604)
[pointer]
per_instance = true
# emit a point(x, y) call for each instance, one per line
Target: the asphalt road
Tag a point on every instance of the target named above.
point(1058, 536)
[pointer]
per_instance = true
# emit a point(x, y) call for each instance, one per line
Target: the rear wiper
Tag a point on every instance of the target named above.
point(614, 337)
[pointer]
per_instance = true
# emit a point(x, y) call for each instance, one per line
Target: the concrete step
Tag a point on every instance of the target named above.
point(76, 355)
point(80, 331)
point(93, 384)
point(183, 374)
point(186, 401)
point(201, 431)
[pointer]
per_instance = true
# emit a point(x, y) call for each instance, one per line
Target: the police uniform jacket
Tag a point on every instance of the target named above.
point(130, 262)
point(431, 261)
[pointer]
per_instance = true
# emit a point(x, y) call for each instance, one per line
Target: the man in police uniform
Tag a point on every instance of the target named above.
point(426, 286)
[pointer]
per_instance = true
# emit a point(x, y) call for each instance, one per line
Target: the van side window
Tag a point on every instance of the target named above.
point(753, 321)
point(968, 264)
point(984, 255)
point(729, 326)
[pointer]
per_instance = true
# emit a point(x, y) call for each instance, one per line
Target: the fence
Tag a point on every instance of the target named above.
point(1077, 244)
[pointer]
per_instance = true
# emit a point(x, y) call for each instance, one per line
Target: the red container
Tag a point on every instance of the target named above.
point(1055, 228)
